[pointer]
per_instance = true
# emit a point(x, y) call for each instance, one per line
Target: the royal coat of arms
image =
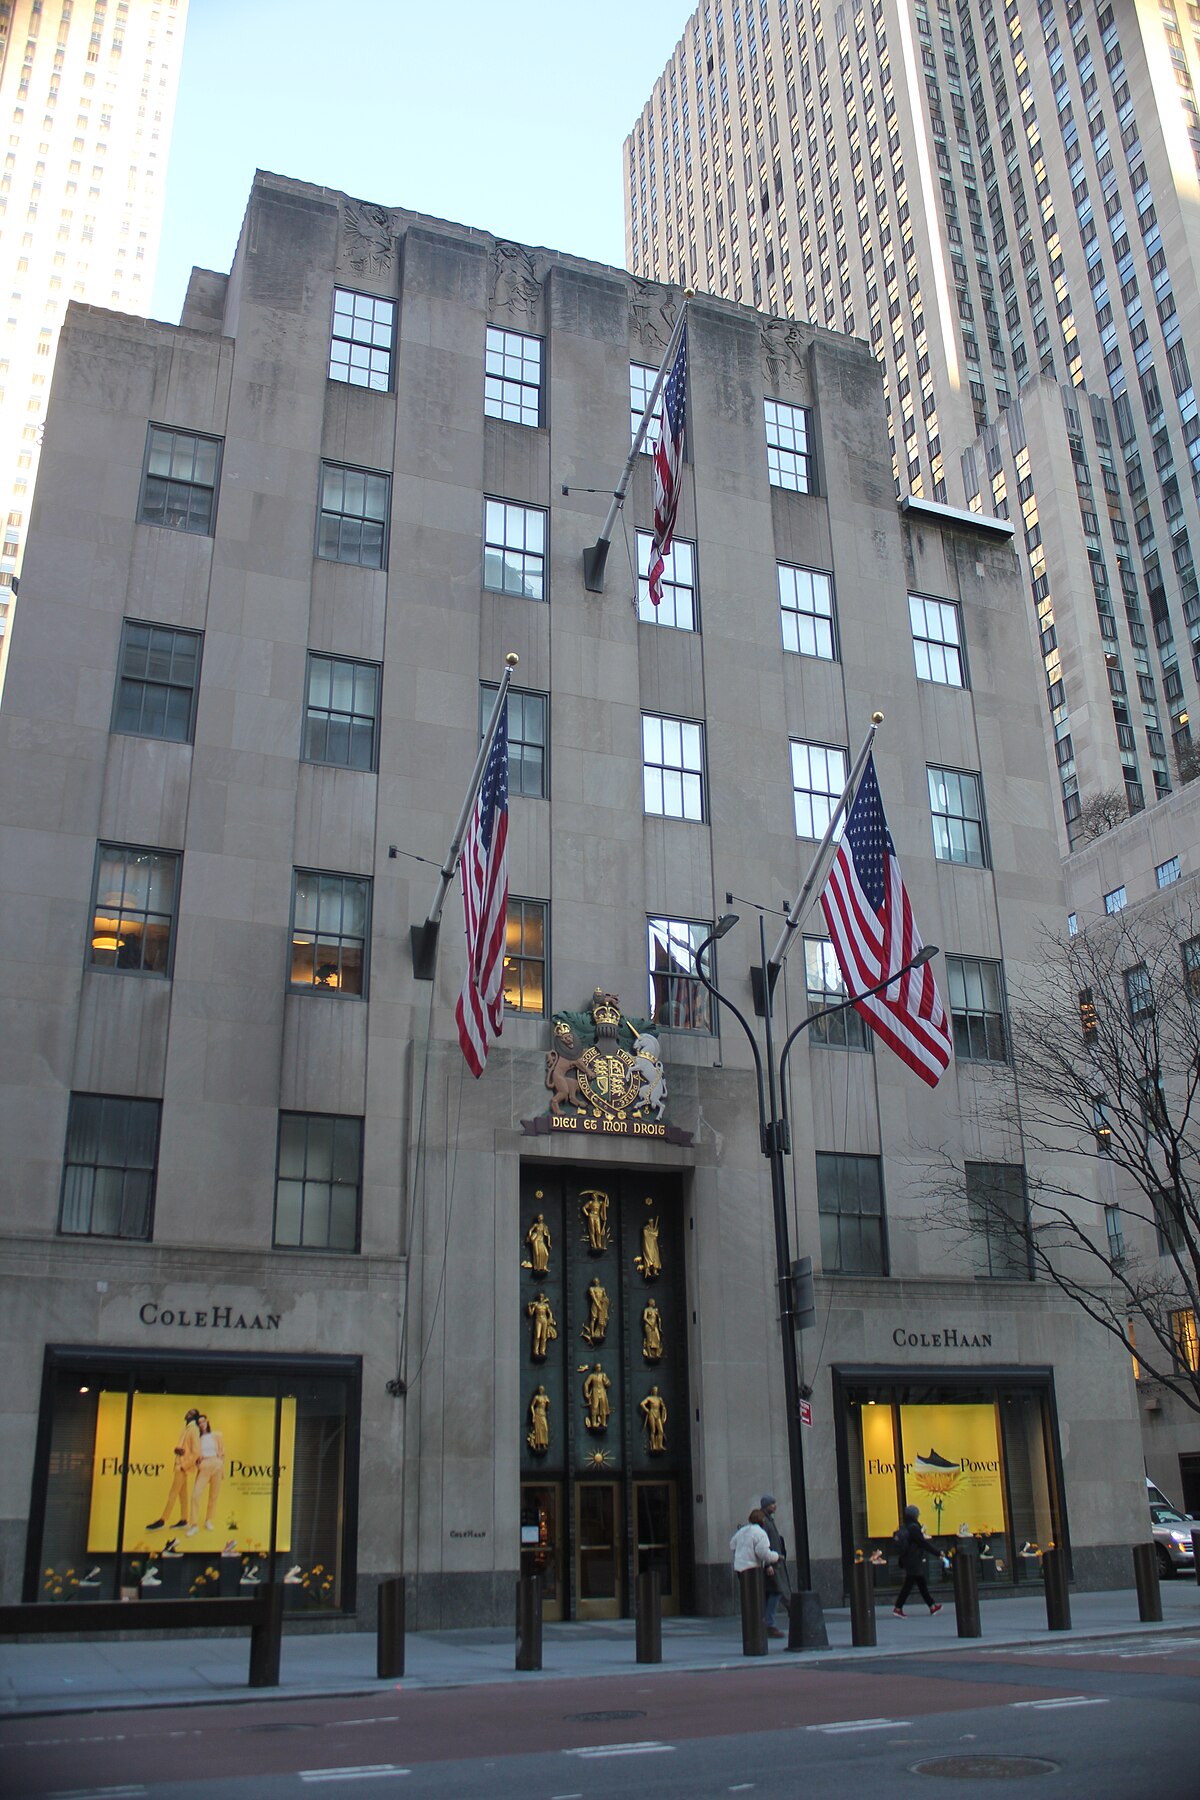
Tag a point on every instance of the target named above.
point(605, 1072)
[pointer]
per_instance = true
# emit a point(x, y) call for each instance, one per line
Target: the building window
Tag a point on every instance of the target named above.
point(179, 484)
point(976, 991)
point(360, 347)
point(1114, 902)
point(352, 527)
point(1072, 925)
point(956, 806)
point(937, 641)
point(512, 377)
point(318, 1182)
point(1169, 1224)
point(998, 1216)
point(825, 987)
point(789, 457)
point(525, 957)
point(641, 383)
point(109, 1166)
point(1102, 1124)
point(527, 719)
point(1191, 967)
point(818, 781)
point(341, 712)
point(672, 767)
point(330, 930)
point(1185, 1339)
point(678, 606)
point(678, 999)
point(133, 909)
point(1115, 1231)
point(1139, 994)
point(850, 1204)
point(1167, 872)
point(514, 549)
point(806, 610)
point(157, 677)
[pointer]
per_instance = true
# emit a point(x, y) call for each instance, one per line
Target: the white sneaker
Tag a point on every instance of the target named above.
point(251, 1577)
point(151, 1577)
point(191, 1531)
point(231, 1548)
point(209, 1526)
point(92, 1578)
point(292, 1578)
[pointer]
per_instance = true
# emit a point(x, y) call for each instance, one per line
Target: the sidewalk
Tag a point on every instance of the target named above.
point(62, 1676)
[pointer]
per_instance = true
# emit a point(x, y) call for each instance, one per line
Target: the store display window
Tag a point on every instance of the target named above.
point(979, 1458)
point(169, 1477)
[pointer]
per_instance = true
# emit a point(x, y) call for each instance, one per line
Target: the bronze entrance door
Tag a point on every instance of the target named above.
point(605, 1477)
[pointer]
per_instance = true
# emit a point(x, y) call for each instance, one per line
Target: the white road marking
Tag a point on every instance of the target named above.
point(369, 1772)
point(845, 1725)
point(129, 1792)
point(1051, 1705)
point(376, 1719)
point(593, 1752)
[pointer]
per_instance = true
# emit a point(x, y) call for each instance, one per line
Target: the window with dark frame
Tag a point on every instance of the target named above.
point(331, 917)
point(641, 385)
point(998, 1213)
point(1139, 993)
point(318, 1182)
point(937, 641)
point(514, 549)
point(789, 451)
point(133, 909)
point(850, 1205)
point(1185, 1339)
point(679, 1001)
point(341, 718)
point(525, 957)
point(157, 678)
point(1168, 1223)
point(825, 985)
point(806, 611)
point(109, 1165)
point(179, 483)
point(1190, 952)
point(975, 989)
point(956, 809)
point(678, 605)
point(1114, 900)
point(1114, 1228)
point(512, 379)
point(528, 719)
point(360, 343)
point(352, 523)
point(672, 767)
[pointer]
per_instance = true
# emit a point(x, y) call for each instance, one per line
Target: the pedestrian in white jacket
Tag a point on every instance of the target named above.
point(751, 1546)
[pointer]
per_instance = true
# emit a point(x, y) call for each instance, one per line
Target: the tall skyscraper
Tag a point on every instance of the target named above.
point(1002, 199)
point(87, 99)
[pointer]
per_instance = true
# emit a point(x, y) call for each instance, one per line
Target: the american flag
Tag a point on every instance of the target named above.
point(484, 870)
point(667, 457)
point(870, 921)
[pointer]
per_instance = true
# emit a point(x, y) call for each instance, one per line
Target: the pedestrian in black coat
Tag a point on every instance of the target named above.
point(912, 1549)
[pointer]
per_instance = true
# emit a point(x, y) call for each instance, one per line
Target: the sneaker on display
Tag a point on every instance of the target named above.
point(231, 1548)
point(191, 1530)
point(292, 1578)
point(151, 1577)
point(250, 1577)
point(156, 1525)
point(92, 1578)
point(171, 1548)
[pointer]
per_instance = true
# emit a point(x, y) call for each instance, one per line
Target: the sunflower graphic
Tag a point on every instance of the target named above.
point(938, 1477)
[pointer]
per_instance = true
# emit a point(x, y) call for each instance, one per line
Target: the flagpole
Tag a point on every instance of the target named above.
point(596, 555)
point(424, 937)
point(800, 904)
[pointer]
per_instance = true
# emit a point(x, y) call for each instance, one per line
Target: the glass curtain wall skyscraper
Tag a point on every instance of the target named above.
point(87, 101)
point(1002, 200)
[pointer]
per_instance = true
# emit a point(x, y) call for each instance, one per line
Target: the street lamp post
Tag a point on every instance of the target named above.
point(806, 1621)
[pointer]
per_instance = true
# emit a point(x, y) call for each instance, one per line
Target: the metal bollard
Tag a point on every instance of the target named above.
point(1058, 1601)
point(529, 1622)
point(649, 1616)
point(266, 1639)
point(1196, 1554)
point(1145, 1575)
point(862, 1604)
point(389, 1628)
point(754, 1624)
point(965, 1571)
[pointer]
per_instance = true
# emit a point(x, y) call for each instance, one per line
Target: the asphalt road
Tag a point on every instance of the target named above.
point(1094, 1722)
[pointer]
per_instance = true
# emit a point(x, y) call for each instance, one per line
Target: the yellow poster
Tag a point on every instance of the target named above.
point(200, 1470)
point(951, 1468)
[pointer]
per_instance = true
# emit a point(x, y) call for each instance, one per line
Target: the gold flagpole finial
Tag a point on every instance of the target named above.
point(512, 659)
point(877, 718)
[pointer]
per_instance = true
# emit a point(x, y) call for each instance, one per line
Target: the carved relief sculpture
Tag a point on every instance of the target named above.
point(368, 233)
point(545, 1328)
point(595, 1218)
point(649, 1263)
point(538, 1239)
point(597, 1321)
point(654, 1412)
point(595, 1398)
point(538, 1435)
point(515, 283)
point(652, 1347)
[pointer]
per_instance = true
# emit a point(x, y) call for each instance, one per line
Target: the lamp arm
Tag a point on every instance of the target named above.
point(697, 958)
point(826, 1012)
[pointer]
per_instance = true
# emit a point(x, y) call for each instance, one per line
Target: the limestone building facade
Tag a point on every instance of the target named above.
point(276, 1269)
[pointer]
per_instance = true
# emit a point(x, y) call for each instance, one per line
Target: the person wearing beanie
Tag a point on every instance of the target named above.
point(778, 1580)
point(912, 1548)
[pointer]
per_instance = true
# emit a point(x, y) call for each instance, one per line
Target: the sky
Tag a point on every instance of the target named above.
point(506, 116)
